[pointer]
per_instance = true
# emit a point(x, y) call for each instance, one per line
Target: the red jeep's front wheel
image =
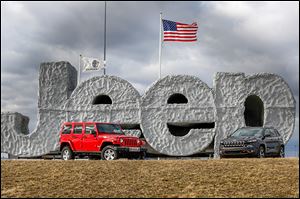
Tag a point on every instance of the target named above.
point(109, 153)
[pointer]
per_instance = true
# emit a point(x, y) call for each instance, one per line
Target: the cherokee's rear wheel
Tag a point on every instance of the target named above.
point(261, 152)
point(67, 154)
point(109, 153)
point(281, 153)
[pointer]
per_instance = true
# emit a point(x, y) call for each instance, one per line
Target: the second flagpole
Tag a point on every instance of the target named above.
point(160, 44)
point(79, 70)
point(104, 62)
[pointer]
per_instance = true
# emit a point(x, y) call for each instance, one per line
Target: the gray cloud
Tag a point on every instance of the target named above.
point(248, 37)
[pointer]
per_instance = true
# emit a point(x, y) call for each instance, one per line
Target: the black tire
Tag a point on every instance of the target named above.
point(67, 153)
point(109, 153)
point(261, 152)
point(281, 152)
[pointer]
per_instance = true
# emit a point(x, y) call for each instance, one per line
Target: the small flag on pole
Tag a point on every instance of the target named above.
point(179, 32)
point(90, 64)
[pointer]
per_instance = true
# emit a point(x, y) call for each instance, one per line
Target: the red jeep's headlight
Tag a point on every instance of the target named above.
point(121, 140)
point(138, 141)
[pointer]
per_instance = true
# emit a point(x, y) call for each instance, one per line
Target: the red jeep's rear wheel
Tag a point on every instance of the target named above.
point(109, 153)
point(67, 153)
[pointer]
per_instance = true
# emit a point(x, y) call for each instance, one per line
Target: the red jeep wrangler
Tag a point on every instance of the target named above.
point(95, 139)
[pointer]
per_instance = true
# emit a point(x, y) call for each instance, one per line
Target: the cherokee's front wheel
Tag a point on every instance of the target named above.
point(109, 153)
point(261, 152)
point(66, 153)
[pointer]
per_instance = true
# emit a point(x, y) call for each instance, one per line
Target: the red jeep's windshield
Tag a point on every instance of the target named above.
point(109, 128)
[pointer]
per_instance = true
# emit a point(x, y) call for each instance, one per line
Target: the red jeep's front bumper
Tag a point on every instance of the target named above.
point(130, 149)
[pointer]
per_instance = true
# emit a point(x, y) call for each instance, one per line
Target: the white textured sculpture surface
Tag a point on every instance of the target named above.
point(176, 128)
point(56, 82)
point(156, 113)
point(124, 107)
point(231, 92)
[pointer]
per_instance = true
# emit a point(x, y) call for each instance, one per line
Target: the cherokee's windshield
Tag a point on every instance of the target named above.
point(248, 133)
point(109, 128)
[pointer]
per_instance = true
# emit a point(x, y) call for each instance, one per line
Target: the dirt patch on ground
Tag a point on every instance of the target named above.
point(271, 177)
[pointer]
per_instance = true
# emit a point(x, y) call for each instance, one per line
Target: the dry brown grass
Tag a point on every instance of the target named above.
point(271, 177)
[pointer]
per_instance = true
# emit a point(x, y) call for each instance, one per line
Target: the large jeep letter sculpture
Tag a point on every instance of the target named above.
point(178, 115)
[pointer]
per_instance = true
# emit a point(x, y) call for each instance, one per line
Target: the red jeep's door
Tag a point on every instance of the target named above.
point(89, 139)
point(77, 137)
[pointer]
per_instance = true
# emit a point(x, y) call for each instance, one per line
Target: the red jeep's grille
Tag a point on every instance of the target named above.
point(130, 142)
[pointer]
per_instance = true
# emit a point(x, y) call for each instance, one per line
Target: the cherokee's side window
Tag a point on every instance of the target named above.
point(67, 129)
point(78, 129)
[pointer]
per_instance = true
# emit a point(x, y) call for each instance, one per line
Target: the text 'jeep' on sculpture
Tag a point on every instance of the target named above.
point(97, 139)
point(178, 115)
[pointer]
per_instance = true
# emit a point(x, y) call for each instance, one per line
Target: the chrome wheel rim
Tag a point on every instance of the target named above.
point(281, 152)
point(66, 155)
point(109, 154)
point(261, 152)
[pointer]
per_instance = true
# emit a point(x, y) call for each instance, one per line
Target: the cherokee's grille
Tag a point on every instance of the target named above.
point(234, 144)
point(232, 152)
point(130, 142)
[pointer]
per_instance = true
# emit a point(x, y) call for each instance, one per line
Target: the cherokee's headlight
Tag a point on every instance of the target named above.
point(251, 141)
point(121, 140)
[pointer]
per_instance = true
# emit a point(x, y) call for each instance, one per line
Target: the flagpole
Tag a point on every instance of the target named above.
point(79, 70)
point(160, 44)
point(104, 62)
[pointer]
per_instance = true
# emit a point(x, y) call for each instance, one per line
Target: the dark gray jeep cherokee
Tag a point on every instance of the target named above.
point(253, 141)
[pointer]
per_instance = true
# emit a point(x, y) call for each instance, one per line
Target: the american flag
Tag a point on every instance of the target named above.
point(179, 32)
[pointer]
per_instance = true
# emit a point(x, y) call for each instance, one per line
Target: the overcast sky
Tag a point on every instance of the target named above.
point(249, 37)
